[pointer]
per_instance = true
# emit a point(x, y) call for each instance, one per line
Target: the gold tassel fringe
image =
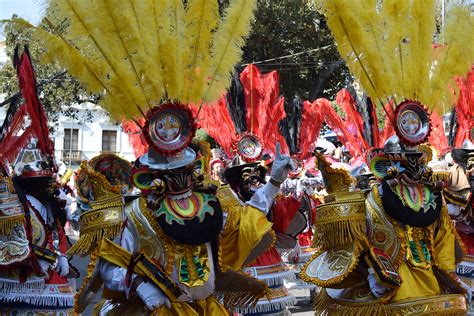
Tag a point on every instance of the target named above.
point(325, 305)
point(338, 233)
point(88, 241)
point(7, 225)
point(440, 176)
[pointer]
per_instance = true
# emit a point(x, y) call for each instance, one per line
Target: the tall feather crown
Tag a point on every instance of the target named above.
point(388, 45)
point(139, 54)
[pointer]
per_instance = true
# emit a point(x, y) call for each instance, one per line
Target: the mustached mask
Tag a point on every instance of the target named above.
point(251, 179)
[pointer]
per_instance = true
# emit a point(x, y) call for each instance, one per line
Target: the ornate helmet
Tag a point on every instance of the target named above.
point(102, 183)
point(32, 163)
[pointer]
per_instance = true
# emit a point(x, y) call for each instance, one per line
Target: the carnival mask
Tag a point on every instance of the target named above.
point(251, 179)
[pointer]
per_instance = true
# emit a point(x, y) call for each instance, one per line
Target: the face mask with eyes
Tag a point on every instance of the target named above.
point(470, 169)
point(251, 179)
point(408, 166)
point(178, 181)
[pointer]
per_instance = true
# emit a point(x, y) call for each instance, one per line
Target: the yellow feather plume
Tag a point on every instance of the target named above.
point(389, 46)
point(202, 17)
point(139, 54)
point(227, 44)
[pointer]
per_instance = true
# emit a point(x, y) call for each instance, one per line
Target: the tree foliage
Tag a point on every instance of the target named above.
point(60, 96)
point(296, 28)
point(281, 28)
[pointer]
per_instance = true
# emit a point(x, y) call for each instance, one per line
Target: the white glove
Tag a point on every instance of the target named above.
point(62, 266)
point(468, 291)
point(152, 296)
point(45, 266)
point(377, 289)
point(454, 210)
point(281, 166)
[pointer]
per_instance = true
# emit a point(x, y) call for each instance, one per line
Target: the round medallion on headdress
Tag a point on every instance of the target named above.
point(169, 128)
point(249, 147)
point(412, 123)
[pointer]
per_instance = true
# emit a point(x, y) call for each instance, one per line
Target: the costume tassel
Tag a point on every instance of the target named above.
point(88, 241)
point(9, 224)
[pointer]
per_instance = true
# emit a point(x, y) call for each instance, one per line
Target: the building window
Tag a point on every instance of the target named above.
point(109, 141)
point(71, 139)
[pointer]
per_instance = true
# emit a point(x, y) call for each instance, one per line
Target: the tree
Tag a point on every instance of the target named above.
point(314, 68)
point(59, 96)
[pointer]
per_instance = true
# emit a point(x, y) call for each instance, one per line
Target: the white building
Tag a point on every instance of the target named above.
point(77, 140)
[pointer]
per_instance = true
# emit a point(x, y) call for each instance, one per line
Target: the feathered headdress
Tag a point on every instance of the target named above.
point(350, 129)
point(246, 120)
point(388, 46)
point(465, 109)
point(141, 55)
point(16, 132)
point(301, 127)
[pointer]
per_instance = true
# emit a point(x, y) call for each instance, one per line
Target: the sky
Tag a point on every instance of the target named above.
point(28, 9)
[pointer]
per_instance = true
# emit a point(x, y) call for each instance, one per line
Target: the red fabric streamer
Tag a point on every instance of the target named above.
point(437, 136)
point(465, 108)
point(27, 83)
point(377, 136)
point(135, 136)
point(353, 117)
point(17, 136)
point(216, 121)
point(264, 106)
point(389, 129)
point(339, 126)
point(311, 123)
point(252, 83)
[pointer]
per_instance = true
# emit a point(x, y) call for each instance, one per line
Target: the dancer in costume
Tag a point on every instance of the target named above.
point(34, 270)
point(103, 187)
point(395, 251)
point(301, 129)
point(197, 242)
point(182, 244)
point(251, 112)
point(458, 195)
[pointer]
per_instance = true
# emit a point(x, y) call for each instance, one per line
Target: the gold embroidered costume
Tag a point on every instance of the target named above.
point(413, 263)
point(395, 251)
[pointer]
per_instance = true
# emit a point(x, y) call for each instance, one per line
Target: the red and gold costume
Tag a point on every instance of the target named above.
point(34, 269)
